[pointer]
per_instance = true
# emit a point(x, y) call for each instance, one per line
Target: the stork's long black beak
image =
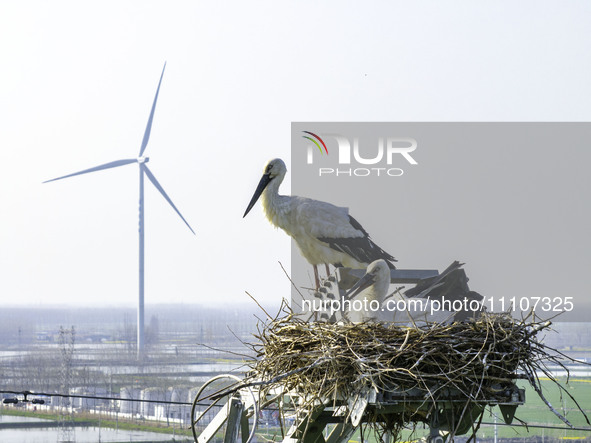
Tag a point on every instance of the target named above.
point(265, 180)
point(364, 282)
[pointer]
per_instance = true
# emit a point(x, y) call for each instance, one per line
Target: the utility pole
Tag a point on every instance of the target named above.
point(66, 433)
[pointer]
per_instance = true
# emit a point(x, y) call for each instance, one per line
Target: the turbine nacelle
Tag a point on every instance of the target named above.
point(142, 160)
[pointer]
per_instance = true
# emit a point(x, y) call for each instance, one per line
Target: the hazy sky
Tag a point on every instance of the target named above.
point(78, 80)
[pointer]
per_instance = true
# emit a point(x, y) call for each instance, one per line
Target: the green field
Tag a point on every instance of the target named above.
point(536, 412)
point(92, 420)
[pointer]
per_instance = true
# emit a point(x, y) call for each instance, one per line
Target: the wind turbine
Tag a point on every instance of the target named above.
point(143, 168)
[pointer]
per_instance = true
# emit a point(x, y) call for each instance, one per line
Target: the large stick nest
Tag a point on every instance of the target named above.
point(475, 360)
point(324, 359)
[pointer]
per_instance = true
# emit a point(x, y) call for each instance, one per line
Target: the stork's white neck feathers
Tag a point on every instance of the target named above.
point(379, 288)
point(375, 282)
point(376, 291)
point(276, 206)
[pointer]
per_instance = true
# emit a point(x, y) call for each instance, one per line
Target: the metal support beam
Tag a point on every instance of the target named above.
point(308, 428)
point(234, 420)
point(341, 433)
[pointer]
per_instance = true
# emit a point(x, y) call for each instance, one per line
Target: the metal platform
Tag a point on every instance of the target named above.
point(449, 414)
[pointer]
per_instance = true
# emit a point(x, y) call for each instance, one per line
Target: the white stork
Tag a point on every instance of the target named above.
point(373, 286)
point(324, 233)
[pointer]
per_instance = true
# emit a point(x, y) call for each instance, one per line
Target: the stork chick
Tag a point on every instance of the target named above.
point(372, 288)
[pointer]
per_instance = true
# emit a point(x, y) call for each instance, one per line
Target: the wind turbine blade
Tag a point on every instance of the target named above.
point(97, 168)
point(157, 185)
point(149, 125)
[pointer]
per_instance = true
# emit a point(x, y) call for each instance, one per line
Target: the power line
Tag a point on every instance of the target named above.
point(95, 397)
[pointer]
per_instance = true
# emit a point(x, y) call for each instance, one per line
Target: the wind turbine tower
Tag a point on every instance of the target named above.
point(143, 170)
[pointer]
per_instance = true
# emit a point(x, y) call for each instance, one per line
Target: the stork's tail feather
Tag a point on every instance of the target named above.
point(389, 259)
point(390, 264)
point(378, 253)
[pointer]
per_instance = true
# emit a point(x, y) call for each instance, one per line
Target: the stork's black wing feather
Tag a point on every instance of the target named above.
point(451, 285)
point(362, 249)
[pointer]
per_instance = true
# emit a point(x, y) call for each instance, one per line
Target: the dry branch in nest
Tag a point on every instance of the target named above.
point(476, 361)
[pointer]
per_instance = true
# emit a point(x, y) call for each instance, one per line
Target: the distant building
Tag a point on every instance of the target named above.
point(44, 336)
